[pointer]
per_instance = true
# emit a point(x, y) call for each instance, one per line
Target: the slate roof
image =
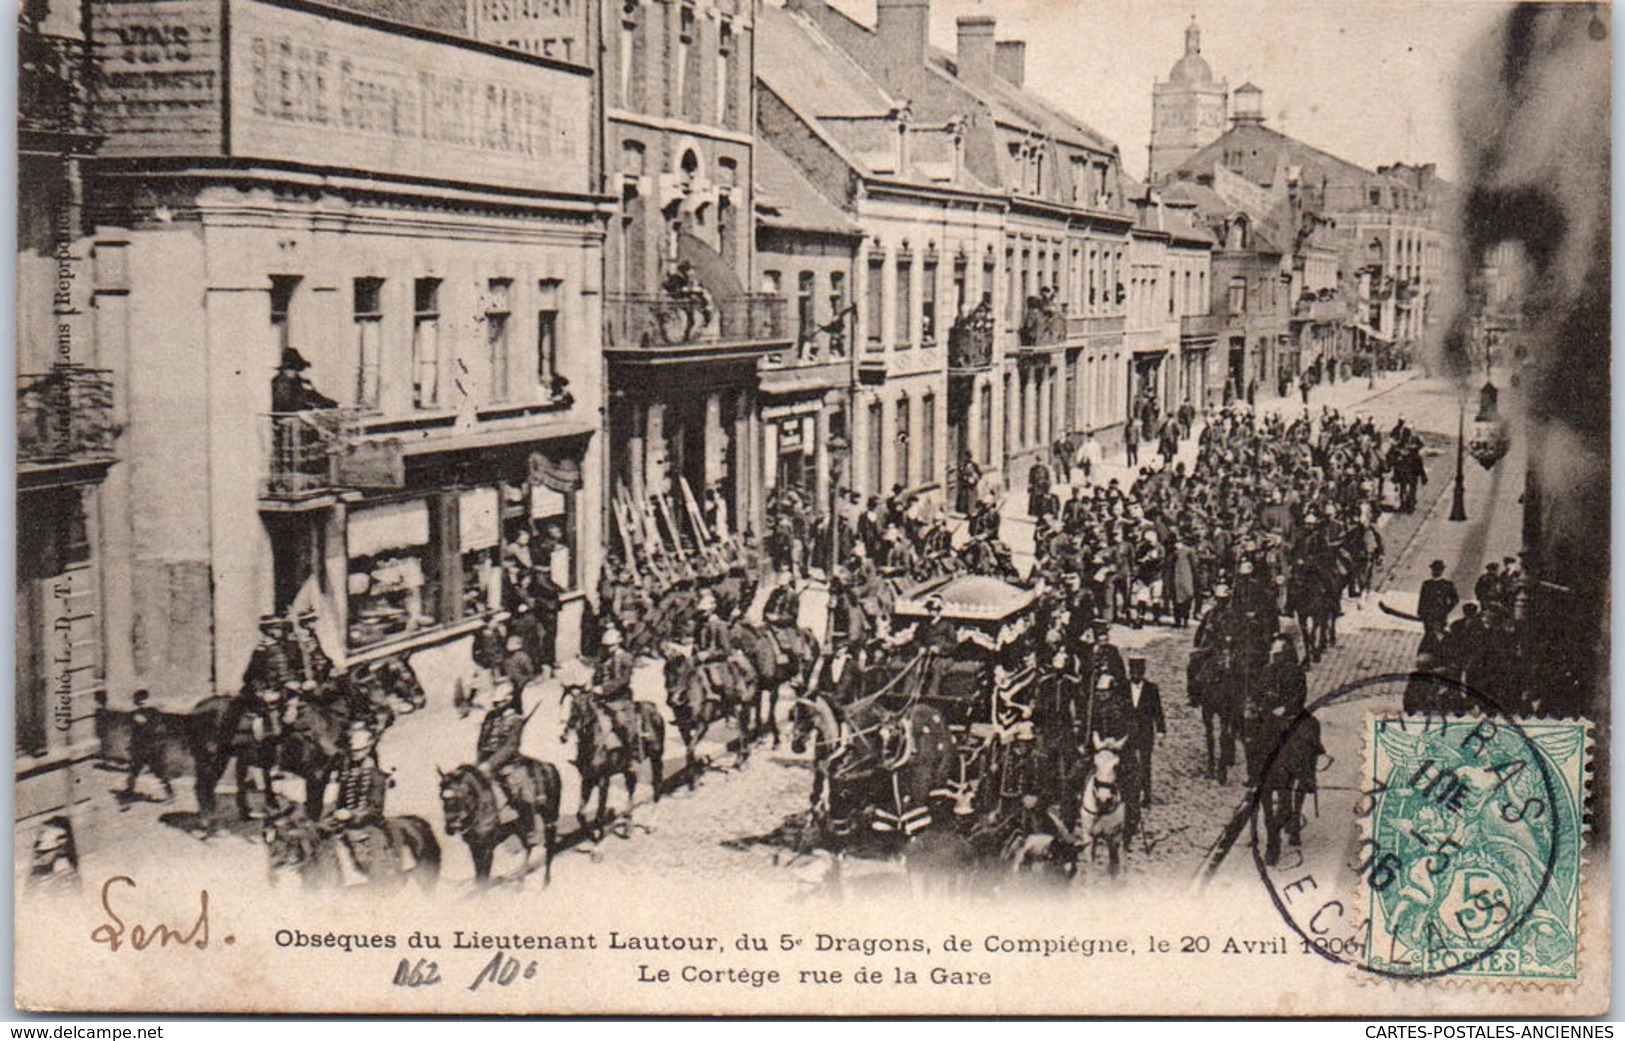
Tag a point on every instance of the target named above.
point(786, 199)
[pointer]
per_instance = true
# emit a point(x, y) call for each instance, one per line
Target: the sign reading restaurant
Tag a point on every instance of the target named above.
point(310, 84)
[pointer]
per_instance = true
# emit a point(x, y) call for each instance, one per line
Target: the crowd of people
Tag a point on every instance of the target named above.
point(1478, 650)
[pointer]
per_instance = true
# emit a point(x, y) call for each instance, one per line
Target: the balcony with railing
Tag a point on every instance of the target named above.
point(1042, 325)
point(1081, 327)
point(54, 84)
point(1324, 306)
point(1200, 326)
point(970, 342)
point(321, 452)
point(64, 420)
point(693, 319)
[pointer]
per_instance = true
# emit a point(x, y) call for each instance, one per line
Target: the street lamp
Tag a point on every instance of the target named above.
point(1490, 440)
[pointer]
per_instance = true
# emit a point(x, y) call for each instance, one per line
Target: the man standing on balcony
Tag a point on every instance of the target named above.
point(291, 389)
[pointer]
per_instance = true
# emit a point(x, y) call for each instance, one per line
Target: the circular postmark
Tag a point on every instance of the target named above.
point(1461, 850)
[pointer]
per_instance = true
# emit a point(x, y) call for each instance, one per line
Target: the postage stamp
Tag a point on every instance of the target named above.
point(1472, 860)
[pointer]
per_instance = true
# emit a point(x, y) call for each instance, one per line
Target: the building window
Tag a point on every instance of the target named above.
point(547, 337)
point(837, 312)
point(928, 300)
point(1012, 303)
point(282, 290)
point(877, 448)
point(498, 310)
point(727, 105)
point(961, 290)
point(874, 296)
point(1093, 270)
point(989, 277)
point(688, 85)
point(426, 342)
point(806, 318)
point(928, 438)
point(986, 417)
point(772, 283)
point(631, 82)
point(905, 300)
point(905, 450)
point(369, 322)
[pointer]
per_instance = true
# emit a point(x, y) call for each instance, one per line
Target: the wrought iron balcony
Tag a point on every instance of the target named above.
point(64, 416)
point(324, 451)
point(692, 318)
point(54, 84)
point(1042, 327)
point(970, 342)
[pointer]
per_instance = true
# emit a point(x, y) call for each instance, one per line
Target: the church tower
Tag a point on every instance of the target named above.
point(1188, 109)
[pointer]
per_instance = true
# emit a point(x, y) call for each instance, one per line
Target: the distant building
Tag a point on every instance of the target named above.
point(1188, 109)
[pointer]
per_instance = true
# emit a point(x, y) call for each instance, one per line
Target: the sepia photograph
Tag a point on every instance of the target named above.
point(813, 507)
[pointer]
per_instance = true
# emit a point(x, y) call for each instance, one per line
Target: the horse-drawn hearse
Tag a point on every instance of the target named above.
point(942, 731)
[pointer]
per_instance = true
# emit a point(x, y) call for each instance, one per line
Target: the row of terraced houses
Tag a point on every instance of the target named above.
point(555, 260)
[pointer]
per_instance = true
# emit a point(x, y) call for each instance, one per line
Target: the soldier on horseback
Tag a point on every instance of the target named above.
point(314, 664)
point(268, 680)
point(612, 688)
point(497, 752)
point(357, 816)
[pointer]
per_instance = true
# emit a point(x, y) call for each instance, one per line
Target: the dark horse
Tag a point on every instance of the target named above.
point(1212, 684)
point(219, 732)
point(701, 695)
point(296, 843)
point(597, 763)
point(778, 655)
point(472, 800)
point(884, 766)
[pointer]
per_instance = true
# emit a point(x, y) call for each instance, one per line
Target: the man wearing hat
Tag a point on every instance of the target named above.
point(146, 748)
point(1434, 602)
point(270, 666)
point(315, 665)
point(612, 687)
point(357, 815)
point(291, 390)
point(1146, 721)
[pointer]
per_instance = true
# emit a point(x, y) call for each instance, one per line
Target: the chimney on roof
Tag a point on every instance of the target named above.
point(900, 29)
point(1010, 60)
point(975, 53)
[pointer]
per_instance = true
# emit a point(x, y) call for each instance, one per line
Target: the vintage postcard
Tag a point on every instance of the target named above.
point(813, 507)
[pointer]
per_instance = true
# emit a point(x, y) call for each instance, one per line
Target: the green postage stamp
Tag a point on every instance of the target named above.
point(1471, 856)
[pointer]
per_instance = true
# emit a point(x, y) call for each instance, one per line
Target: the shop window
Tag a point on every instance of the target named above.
point(498, 304)
point(426, 342)
point(394, 580)
point(548, 515)
point(369, 325)
point(547, 337)
point(479, 538)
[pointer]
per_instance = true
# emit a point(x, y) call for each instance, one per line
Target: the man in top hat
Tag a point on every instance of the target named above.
point(1435, 601)
point(1146, 721)
point(291, 390)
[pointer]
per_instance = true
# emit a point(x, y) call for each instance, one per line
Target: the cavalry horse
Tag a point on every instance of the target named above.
point(1212, 684)
point(472, 799)
point(1314, 594)
point(298, 844)
point(598, 763)
point(1283, 754)
point(701, 695)
point(219, 732)
point(778, 655)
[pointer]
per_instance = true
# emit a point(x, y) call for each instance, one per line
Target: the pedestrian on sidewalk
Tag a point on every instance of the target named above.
point(146, 748)
point(1131, 442)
